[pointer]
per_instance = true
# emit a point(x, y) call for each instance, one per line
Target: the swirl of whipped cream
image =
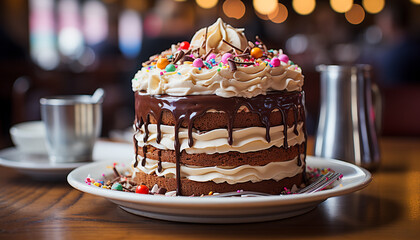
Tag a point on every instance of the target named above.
point(216, 33)
point(231, 175)
point(216, 140)
point(244, 82)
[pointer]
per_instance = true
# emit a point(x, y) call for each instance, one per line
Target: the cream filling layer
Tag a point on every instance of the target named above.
point(231, 175)
point(216, 141)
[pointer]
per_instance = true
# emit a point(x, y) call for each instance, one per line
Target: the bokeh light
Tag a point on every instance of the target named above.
point(95, 18)
point(280, 15)
point(373, 35)
point(130, 34)
point(304, 7)
point(70, 36)
point(262, 16)
point(234, 8)
point(264, 6)
point(355, 15)
point(373, 6)
point(341, 6)
point(415, 1)
point(70, 42)
point(206, 3)
point(297, 44)
point(42, 35)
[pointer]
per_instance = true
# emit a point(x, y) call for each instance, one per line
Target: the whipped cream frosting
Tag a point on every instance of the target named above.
point(244, 82)
point(216, 141)
point(231, 175)
point(257, 77)
point(216, 33)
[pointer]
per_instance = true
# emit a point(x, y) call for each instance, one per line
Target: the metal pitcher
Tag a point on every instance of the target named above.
point(346, 127)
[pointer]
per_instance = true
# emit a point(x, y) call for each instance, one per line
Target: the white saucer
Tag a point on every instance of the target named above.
point(222, 210)
point(39, 167)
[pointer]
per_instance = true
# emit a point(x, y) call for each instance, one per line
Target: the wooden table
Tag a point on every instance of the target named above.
point(389, 208)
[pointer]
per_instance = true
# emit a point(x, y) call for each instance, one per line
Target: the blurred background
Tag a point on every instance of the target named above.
point(50, 47)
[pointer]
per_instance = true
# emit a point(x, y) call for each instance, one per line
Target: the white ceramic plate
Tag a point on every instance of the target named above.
point(39, 167)
point(222, 210)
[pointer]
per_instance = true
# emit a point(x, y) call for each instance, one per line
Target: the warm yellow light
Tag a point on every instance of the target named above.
point(304, 7)
point(280, 15)
point(341, 6)
point(355, 15)
point(373, 6)
point(206, 3)
point(273, 14)
point(415, 1)
point(264, 6)
point(234, 8)
point(262, 16)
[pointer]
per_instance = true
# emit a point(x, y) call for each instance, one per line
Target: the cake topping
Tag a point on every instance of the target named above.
point(225, 57)
point(215, 37)
point(142, 189)
point(256, 52)
point(275, 62)
point(162, 63)
point(184, 45)
point(221, 61)
point(198, 63)
point(284, 58)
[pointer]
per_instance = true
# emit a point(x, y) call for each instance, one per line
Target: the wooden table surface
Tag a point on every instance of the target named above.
point(389, 208)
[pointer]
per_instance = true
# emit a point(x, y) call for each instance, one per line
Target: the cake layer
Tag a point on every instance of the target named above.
point(211, 112)
point(212, 120)
point(273, 154)
point(216, 141)
point(188, 187)
point(220, 174)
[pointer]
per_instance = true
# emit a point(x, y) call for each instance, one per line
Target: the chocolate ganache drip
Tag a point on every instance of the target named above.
point(188, 108)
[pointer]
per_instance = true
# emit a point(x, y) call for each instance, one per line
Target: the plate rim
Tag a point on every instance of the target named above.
point(196, 202)
point(43, 166)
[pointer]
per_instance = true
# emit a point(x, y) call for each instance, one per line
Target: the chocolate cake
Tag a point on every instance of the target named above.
point(219, 114)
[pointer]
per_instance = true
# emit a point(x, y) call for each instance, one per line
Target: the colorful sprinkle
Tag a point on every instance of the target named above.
point(184, 45)
point(142, 189)
point(211, 56)
point(225, 57)
point(170, 68)
point(198, 63)
point(117, 186)
point(162, 63)
point(284, 58)
point(275, 62)
point(256, 52)
point(208, 65)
